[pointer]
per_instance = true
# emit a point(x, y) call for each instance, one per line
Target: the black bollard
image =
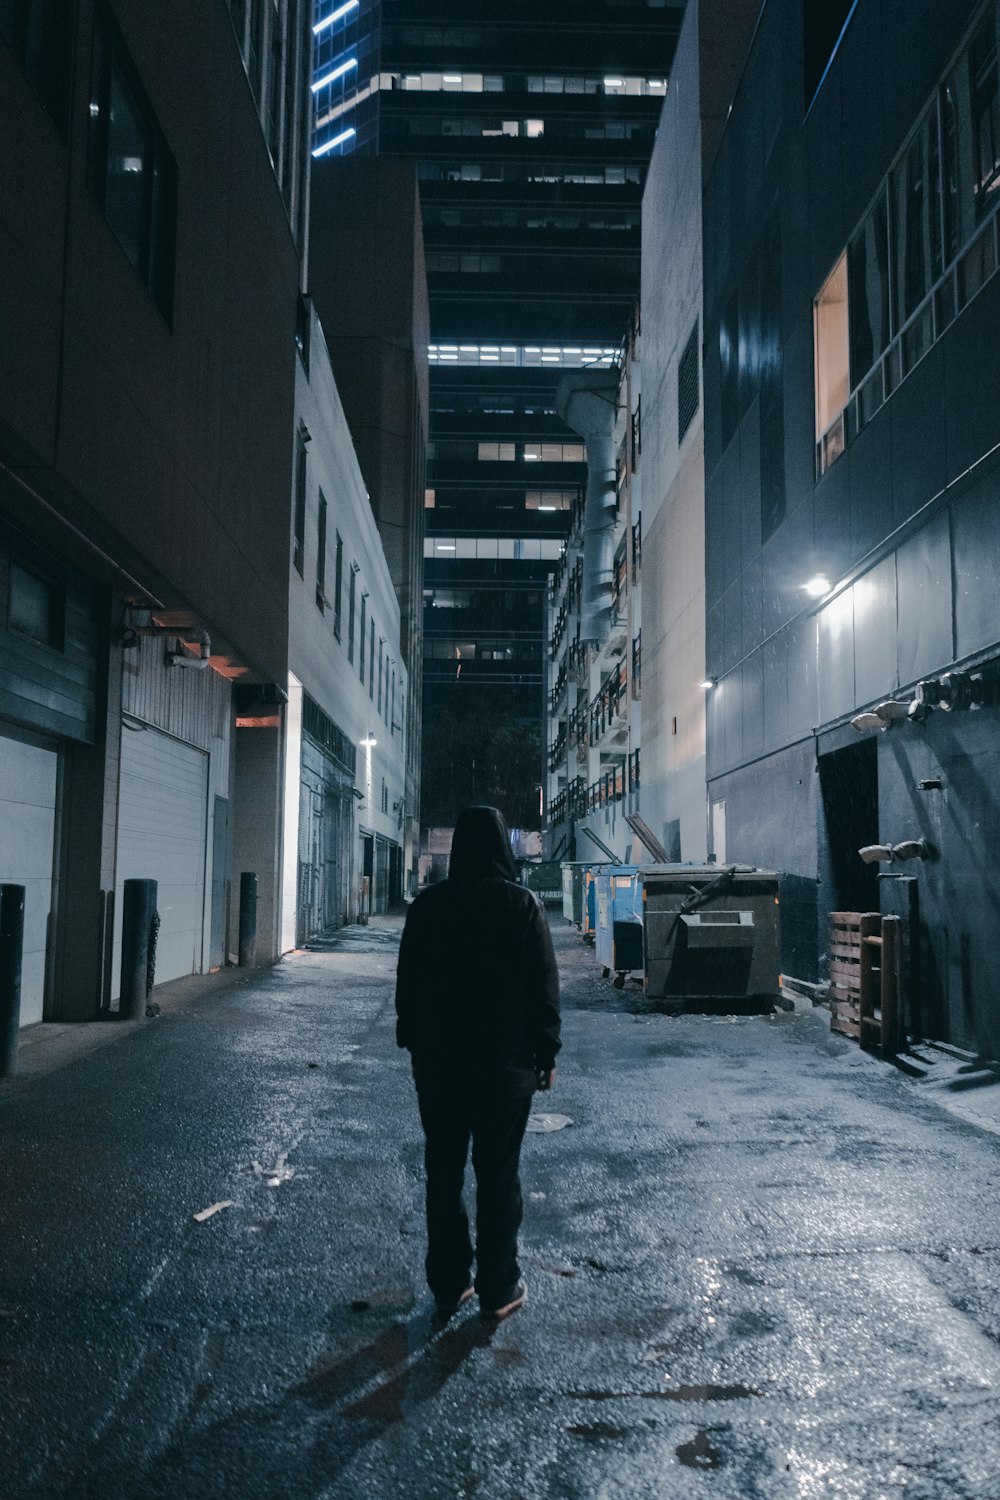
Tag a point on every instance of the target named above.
point(248, 920)
point(138, 913)
point(11, 945)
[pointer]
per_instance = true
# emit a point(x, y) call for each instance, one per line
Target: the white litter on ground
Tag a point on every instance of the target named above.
point(206, 1213)
point(540, 1123)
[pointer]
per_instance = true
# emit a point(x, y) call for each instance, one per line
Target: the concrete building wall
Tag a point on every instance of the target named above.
point(368, 281)
point(672, 796)
point(144, 439)
point(899, 515)
point(361, 706)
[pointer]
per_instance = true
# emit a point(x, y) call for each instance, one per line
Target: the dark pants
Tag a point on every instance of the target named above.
point(491, 1112)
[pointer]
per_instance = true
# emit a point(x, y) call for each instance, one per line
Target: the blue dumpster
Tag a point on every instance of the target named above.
point(618, 936)
point(588, 906)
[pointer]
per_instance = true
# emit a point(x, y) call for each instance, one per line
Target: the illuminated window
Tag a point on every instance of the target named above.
point(549, 499)
point(497, 452)
point(555, 453)
point(832, 345)
point(429, 499)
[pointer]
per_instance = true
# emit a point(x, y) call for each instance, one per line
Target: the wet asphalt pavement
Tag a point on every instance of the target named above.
point(759, 1265)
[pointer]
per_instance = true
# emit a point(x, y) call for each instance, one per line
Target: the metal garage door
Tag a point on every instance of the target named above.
point(28, 778)
point(162, 821)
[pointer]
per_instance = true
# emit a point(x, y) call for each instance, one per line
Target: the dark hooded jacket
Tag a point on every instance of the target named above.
point(477, 984)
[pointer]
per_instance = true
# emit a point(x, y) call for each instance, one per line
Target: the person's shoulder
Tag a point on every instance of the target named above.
point(430, 899)
point(520, 897)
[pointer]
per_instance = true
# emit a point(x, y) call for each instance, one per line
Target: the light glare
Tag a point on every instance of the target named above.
point(338, 140)
point(334, 17)
point(334, 74)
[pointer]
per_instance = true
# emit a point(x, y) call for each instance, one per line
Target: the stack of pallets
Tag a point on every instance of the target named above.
point(865, 952)
point(847, 928)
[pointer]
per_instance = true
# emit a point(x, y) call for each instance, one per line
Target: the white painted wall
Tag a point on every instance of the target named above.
point(673, 478)
point(194, 711)
point(162, 836)
point(317, 659)
point(28, 789)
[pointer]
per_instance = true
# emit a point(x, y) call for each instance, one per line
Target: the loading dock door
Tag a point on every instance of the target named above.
point(27, 837)
point(162, 821)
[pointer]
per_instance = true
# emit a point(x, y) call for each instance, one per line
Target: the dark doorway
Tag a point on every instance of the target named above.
point(849, 787)
point(366, 904)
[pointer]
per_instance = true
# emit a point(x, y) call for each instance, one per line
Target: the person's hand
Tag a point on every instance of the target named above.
point(545, 1077)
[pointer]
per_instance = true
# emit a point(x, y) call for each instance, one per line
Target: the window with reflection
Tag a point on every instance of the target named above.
point(129, 165)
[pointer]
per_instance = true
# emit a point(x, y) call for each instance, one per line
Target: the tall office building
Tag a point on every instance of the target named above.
point(531, 126)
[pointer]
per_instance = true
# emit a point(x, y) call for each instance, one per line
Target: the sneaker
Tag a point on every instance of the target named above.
point(448, 1309)
point(517, 1298)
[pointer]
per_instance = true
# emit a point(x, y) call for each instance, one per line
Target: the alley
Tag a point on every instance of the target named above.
point(759, 1264)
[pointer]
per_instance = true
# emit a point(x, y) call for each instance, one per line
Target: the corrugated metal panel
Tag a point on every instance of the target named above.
point(192, 706)
point(162, 821)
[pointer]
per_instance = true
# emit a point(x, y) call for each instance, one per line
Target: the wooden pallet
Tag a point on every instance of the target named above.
point(847, 930)
point(864, 978)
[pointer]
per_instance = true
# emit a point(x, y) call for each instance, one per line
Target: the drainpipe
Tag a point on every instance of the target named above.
point(587, 401)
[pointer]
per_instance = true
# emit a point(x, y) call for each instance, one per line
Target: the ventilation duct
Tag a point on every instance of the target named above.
point(587, 401)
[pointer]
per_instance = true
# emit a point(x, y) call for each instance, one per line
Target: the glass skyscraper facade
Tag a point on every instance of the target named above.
point(531, 126)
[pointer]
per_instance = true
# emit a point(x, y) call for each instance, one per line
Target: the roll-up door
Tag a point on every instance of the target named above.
point(28, 779)
point(162, 822)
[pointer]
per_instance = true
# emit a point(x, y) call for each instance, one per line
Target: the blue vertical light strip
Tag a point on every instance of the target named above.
point(337, 75)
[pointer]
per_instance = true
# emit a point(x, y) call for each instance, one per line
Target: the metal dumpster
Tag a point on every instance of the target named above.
point(544, 878)
point(710, 933)
point(588, 924)
point(573, 871)
point(618, 937)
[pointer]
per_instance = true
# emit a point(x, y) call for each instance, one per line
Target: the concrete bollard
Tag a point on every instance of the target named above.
point(138, 914)
point(11, 949)
point(248, 920)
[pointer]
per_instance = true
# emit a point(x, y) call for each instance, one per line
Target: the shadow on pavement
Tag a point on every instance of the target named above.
point(294, 1447)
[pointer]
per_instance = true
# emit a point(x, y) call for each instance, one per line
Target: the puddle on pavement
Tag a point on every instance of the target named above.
point(678, 1393)
point(748, 1325)
point(699, 1453)
point(597, 1430)
point(745, 1276)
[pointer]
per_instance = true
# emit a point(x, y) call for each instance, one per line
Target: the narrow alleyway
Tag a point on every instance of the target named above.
point(759, 1265)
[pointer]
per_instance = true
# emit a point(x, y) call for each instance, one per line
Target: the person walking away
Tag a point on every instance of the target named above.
point(477, 1005)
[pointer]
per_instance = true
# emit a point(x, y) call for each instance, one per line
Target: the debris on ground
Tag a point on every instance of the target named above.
point(276, 1175)
point(543, 1123)
point(206, 1213)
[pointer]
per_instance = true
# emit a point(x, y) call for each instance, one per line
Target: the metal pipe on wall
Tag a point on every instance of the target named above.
point(587, 400)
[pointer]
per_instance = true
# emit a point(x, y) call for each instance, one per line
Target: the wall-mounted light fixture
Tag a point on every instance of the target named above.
point(816, 586)
point(709, 683)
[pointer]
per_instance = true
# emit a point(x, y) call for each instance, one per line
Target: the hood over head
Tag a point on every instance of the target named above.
point(481, 849)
